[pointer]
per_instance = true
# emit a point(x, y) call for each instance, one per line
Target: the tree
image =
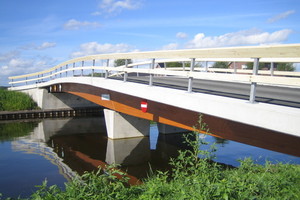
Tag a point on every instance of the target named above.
point(250, 65)
point(224, 65)
point(180, 64)
point(120, 62)
point(277, 66)
point(177, 64)
point(285, 67)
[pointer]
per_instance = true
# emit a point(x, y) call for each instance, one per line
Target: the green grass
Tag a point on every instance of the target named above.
point(13, 101)
point(191, 178)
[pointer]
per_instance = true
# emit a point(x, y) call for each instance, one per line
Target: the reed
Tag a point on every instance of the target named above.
point(13, 101)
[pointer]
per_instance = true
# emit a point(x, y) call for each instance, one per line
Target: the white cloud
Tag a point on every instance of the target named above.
point(25, 66)
point(244, 37)
point(16, 66)
point(14, 63)
point(116, 6)
point(281, 16)
point(96, 13)
point(171, 46)
point(73, 24)
point(43, 46)
point(8, 56)
point(96, 48)
point(46, 45)
point(19, 63)
point(181, 35)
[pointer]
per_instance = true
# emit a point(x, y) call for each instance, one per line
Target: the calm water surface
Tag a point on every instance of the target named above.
point(56, 149)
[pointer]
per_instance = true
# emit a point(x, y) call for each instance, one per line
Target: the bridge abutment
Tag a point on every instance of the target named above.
point(46, 100)
point(119, 125)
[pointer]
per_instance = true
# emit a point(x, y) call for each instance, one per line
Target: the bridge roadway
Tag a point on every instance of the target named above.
point(285, 96)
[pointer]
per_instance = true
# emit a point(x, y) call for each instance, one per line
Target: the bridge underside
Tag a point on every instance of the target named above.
point(186, 119)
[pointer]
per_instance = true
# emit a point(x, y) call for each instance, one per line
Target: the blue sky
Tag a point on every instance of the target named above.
point(36, 35)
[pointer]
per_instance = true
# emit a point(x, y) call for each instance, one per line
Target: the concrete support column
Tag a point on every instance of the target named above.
point(167, 129)
point(119, 125)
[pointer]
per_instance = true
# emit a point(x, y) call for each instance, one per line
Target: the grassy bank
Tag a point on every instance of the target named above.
point(191, 178)
point(12, 101)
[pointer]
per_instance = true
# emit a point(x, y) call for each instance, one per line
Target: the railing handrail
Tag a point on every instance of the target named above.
point(278, 53)
point(210, 76)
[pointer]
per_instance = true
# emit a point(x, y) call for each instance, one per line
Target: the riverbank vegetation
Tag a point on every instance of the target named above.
point(13, 100)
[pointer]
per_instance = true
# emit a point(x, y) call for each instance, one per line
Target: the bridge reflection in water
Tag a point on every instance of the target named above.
point(87, 149)
point(81, 144)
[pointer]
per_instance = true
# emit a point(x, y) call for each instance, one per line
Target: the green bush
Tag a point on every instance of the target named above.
point(12, 100)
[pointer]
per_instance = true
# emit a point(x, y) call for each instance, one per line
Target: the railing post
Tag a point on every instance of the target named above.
point(125, 73)
point(190, 86)
point(60, 72)
point(55, 72)
point(151, 75)
point(106, 71)
point(206, 66)
point(183, 66)
point(82, 64)
point(67, 66)
point(253, 84)
point(234, 68)
point(93, 70)
point(73, 68)
point(272, 69)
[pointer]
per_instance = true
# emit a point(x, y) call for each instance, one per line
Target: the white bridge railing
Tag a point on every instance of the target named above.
point(146, 63)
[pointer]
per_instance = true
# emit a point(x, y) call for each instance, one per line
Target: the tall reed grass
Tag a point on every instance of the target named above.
point(13, 101)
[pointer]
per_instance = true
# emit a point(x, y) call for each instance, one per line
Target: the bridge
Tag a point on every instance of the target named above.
point(256, 107)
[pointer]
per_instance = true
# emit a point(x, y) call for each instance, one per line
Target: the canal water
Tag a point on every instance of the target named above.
point(57, 149)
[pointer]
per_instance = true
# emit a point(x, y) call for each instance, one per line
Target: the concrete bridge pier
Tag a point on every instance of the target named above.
point(167, 129)
point(119, 125)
